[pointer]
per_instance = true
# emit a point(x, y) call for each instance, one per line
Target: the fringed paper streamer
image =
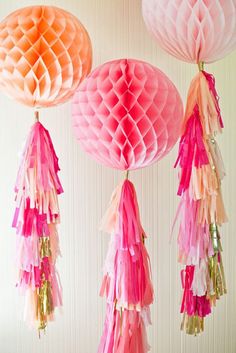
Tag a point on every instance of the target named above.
point(36, 218)
point(124, 332)
point(194, 307)
point(127, 276)
point(201, 209)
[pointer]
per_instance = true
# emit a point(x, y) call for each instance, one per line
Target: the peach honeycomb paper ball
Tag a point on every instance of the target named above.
point(127, 114)
point(45, 52)
point(193, 30)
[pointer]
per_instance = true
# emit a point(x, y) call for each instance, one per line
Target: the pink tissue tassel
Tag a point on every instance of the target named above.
point(36, 218)
point(201, 210)
point(127, 280)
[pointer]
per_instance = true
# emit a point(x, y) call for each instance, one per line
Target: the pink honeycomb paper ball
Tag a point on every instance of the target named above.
point(193, 30)
point(127, 114)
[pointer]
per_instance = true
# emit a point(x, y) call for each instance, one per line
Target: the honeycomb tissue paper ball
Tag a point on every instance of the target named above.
point(193, 30)
point(45, 52)
point(127, 114)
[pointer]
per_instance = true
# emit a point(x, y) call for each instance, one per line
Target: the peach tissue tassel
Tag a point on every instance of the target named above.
point(201, 210)
point(36, 218)
point(127, 281)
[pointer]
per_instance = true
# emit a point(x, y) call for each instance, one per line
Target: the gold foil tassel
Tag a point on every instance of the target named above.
point(215, 237)
point(44, 243)
point(45, 304)
point(216, 268)
point(222, 271)
point(192, 325)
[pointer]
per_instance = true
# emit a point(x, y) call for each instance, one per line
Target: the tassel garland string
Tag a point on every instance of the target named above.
point(35, 220)
point(127, 282)
point(201, 209)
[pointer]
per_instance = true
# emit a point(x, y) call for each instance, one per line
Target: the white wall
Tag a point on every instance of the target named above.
point(117, 30)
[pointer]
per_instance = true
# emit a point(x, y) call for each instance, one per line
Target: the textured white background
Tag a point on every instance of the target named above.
point(116, 30)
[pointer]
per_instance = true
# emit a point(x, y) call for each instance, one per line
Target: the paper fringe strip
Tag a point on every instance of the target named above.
point(201, 210)
point(36, 218)
point(127, 276)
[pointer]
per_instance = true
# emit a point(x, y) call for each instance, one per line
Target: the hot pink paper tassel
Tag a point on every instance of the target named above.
point(201, 209)
point(127, 276)
point(192, 151)
point(211, 83)
point(124, 332)
point(194, 307)
point(36, 218)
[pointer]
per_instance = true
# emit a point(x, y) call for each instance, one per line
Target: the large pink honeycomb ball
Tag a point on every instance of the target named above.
point(127, 114)
point(193, 30)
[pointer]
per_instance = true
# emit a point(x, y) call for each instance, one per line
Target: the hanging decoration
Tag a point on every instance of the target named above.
point(36, 218)
point(127, 280)
point(201, 208)
point(45, 52)
point(198, 32)
point(192, 30)
point(127, 115)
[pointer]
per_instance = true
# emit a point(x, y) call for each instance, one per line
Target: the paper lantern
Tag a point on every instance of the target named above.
point(45, 52)
point(127, 114)
point(198, 32)
point(192, 30)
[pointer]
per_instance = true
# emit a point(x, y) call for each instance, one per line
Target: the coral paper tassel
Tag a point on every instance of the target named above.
point(36, 218)
point(127, 279)
point(201, 210)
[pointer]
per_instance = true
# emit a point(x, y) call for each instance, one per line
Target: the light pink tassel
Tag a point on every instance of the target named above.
point(36, 217)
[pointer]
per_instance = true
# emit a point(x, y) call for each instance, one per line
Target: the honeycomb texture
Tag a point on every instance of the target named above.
point(127, 114)
point(45, 52)
point(193, 30)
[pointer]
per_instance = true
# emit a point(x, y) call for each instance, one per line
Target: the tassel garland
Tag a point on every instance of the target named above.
point(36, 218)
point(127, 277)
point(201, 209)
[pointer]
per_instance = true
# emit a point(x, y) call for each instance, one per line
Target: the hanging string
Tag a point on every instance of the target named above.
point(200, 65)
point(36, 115)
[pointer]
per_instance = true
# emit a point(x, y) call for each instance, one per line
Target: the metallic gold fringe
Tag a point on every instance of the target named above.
point(192, 325)
point(216, 268)
point(217, 277)
point(44, 243)
point(45, 304)
point(215, 237)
